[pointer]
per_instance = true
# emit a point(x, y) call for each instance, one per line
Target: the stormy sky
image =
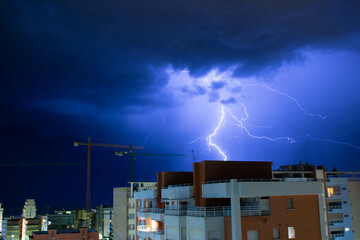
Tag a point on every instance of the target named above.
point(253, 80)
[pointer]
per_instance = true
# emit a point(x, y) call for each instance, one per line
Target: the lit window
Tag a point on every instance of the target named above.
point(335, 190)
point(291, 232)
point(289, 203)
point(347, 229)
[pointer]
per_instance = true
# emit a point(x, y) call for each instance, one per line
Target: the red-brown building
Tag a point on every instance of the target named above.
point(232, 200)
point(73, 234)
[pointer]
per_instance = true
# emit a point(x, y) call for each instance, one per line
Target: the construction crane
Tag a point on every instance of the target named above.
point(132, 154)
point(89, 144)
point(55, 164)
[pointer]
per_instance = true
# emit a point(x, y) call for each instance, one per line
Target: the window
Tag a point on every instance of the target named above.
point(345, 202)
point(334, 190)
point(291, 232)
point(276, 233)
point(289, 203)
point(131, 216)
point(252, 235)
point(343, 188)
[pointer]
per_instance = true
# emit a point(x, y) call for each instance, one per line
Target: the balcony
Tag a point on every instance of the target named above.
point(145, 231)
point(333, 222)
point(209, 211)
point(157, 214)
point(333, 207)
point(176, 210)
point(247, 211)
point(159, 235)
point(146, 194)
point(177, 192)
point(336, 235)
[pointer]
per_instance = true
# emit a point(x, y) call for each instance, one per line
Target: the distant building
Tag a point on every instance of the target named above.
point(232, 200)
point(32, 225)
point(61, 220)
point(123, 224)
point(29, 210)
point(103, 221)
point(1, 218)
point(69, 234)
point(14, 228)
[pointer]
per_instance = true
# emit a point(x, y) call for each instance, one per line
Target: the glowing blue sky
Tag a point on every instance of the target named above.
point(157, 73)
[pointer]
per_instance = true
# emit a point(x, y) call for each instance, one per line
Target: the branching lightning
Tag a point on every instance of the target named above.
point(241, 123)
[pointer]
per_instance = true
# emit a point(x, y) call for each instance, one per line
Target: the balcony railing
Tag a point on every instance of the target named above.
point(266, 180)
point(334, 236)
point(209, 211)
point(146, 228)
point(330, 208)
point(253, 211)
point(332, 222)
point(157, 210)
point(143, 209)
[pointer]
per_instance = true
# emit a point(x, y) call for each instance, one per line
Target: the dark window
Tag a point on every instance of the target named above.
point(289, 203)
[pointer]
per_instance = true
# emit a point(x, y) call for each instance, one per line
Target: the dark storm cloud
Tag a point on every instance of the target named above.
point(193, 90)
point(119, 50)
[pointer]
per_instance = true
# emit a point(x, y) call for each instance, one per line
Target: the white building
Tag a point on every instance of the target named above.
point(236, 203)
point(123, 223)
point(29, 210)
point(343, 205)
point(104, 216)
point(1, 218)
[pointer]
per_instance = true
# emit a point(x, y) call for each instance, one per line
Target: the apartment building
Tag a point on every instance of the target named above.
point(1, 218)
point(343, 204)
point(232, 200)
point(123, 223)
point(14, 228)
point(103, 221)
point(68, 234)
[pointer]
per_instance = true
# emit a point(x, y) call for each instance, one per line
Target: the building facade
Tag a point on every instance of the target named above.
point(232, 200)
point(29, 210)
point(61, 220)
point(14, 228)
point(343, 204)
point(103, 221)
point(123, 224)
point(1, 218)
point(69, 234)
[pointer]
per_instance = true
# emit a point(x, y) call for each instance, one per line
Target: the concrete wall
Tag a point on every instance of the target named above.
point(354, 190)
point(183, 192)
point(120, 213)
point(304, 217)
point(173, 227)
point(344, 197)
point(220, 170)
point(165, 179)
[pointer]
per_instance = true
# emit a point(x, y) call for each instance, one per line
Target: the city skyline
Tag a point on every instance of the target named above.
point(236, 80)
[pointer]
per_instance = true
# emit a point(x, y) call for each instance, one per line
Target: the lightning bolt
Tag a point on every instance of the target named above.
point(155, 129)
point(241, 123)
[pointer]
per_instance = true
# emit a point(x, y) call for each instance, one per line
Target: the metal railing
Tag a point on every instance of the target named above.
point(179, 185)
point(332, 222)
point(209, 211)
point(330, 208)
point(176, 210)
point(143, 209)
point(157, 210)
point(253, 211)
point(334, 236)
point(266, 180)
point(146, 228)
